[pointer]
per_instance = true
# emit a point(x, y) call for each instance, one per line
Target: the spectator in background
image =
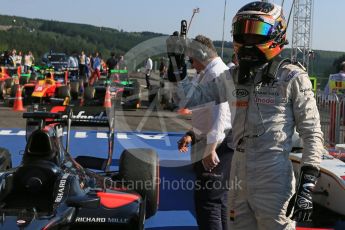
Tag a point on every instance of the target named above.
point(162, 72)
point(7, 60)
point(103, 67)
point(19, 59)
point(111, 63)
point(13, 57)
point(336, 82)
point(96, 68)
point(162, 69)
point(121, 63)
point(234, 61)
point(88, 66)
point(73, 65)
point(28, 62)
point(148, 70)
point(82, 64)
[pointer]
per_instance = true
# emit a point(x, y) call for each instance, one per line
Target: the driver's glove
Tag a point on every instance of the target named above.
point(301, 201)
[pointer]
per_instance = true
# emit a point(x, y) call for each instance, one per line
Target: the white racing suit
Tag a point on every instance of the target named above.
point(265, 119)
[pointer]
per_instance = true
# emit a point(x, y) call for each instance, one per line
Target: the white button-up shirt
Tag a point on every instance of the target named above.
point(148, 66)
point(211, 120)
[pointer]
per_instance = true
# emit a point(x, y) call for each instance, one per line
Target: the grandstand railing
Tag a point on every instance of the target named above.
point(332, 117)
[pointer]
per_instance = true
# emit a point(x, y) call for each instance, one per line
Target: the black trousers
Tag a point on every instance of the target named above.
point(82, 70)
point(211, 191)
point(147, 78)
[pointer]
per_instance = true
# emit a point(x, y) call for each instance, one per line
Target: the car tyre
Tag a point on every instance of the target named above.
point(118, 100)
point(23, 80)
point(13, 93)
point(141, 167)
point(154, 95)
point(2, 90)
point(14, 89)
point(135, 94)
point(63, 92)
point(75, 90)
point(8, 83)
point(89, 95)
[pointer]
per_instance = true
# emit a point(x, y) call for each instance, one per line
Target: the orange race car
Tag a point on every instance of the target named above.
point(46, 90)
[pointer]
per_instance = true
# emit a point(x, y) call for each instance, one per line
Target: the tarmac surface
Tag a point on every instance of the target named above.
point(139, 120)
point(146, 118)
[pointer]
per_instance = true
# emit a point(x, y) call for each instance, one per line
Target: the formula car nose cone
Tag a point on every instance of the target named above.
point(34, 184)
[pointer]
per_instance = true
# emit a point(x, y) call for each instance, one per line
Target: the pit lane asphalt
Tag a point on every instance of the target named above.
point(137, 120)
point(142, 119)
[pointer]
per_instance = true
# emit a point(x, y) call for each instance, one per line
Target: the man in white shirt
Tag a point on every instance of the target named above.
point(210, 154)
point(73, 65)
point(148, 69)
point(14, 57)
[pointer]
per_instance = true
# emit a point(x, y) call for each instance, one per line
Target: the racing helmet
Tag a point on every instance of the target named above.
point(259, 32)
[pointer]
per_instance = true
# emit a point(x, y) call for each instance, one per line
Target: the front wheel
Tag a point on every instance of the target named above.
point(63, 92)
point(140, 170)
point(89, 95)
point(2, 90)
point(132, 96)
point(75, 87)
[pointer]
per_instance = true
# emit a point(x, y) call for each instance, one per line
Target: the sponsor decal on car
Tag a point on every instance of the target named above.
point(39, 88)
point(83, 115)
point(101, 220)
point(61, 188)
point(117, 220)
point(90, 220)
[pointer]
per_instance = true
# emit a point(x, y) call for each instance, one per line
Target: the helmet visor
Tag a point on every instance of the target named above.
point(251, 31)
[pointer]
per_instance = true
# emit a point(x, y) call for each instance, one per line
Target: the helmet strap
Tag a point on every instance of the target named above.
point(270, 74)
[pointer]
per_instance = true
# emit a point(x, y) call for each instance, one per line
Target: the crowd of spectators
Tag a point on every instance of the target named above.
point(81, 64)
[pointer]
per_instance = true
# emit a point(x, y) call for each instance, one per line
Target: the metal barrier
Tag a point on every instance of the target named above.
point(332, 112)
